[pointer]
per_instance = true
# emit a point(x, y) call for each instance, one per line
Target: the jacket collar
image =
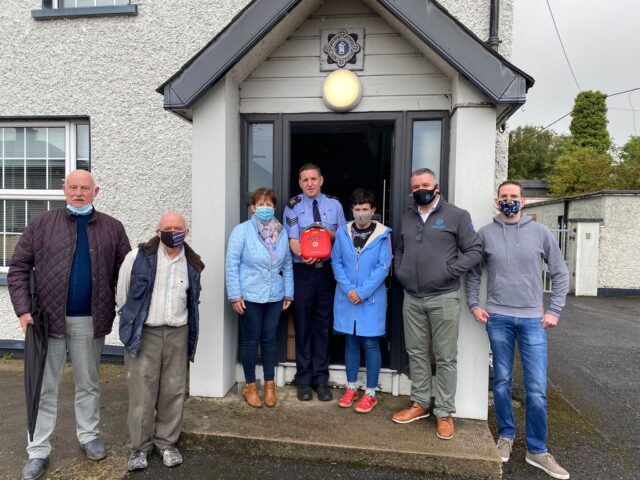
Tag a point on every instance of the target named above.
point(152, 245)
point(68, 214)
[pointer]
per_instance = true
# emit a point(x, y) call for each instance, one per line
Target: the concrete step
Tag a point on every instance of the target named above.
point(322, 431)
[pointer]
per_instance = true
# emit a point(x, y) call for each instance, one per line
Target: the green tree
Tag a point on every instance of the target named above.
point(589, 121)
point(627, 172)
point(533, 153)
point(581, 170)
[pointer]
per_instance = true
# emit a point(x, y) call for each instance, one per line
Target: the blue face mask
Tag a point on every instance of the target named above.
point(80, 211)
point(509, 208)
point(264, 214)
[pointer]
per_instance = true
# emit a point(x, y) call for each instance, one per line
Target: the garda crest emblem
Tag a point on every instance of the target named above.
point(343, 48)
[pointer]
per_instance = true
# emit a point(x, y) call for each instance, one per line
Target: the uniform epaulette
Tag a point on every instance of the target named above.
point(332, 197)
point(293, 201)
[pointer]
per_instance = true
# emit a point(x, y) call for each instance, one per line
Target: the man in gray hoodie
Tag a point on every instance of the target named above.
point(436, 245)
point(514, 247)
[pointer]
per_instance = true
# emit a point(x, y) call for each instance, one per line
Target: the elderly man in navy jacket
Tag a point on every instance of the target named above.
point(158, 292)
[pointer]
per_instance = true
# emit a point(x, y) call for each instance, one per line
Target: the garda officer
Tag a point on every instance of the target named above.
point(314, 283)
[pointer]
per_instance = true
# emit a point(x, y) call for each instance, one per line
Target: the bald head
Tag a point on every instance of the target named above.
point(172, 221)
point(80, 188)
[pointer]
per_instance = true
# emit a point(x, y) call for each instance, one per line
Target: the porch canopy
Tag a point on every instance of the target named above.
point(503, 84)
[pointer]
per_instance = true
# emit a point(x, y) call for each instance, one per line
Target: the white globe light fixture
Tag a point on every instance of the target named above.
point(342, 90)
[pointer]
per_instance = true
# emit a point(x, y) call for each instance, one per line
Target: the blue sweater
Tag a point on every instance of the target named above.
point(79, 288)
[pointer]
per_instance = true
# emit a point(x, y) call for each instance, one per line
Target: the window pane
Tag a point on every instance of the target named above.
point(85, 3)
point(15, 216)
point(10, 245)
point(122, 2)
point(82, 147)
point(35, 207)
point(14, 173)
point(260, 153)
point(66, 3)
point(427, 136)
point(56, 174)
point(14, 142)
point(36, 142)
point(56, 142)
point(37, 173)
point(57, 204)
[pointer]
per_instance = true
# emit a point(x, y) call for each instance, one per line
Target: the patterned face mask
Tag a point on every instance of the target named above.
point(509, 208)
point(172, 239)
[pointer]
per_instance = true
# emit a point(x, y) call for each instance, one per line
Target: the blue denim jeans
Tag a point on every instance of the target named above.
point(532, 342)
point(372, 358)
point(259, 326)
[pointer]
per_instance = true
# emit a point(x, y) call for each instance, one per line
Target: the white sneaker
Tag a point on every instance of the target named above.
point(548, 464)
point(504, 446)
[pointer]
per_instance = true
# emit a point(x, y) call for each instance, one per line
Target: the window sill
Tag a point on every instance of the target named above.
point(3, 278)
point(50, 13)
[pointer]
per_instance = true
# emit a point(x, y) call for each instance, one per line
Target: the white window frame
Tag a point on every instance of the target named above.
point(70, 161)
point(56, 3)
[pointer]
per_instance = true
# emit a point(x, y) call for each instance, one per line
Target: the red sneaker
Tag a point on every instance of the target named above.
point(366, 403)
point(350, 395)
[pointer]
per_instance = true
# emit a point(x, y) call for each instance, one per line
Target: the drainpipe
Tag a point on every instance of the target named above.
point(494, 20)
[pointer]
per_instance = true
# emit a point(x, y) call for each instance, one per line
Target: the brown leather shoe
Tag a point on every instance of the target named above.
point(270, 399)
point(445, 427)
point(411, 414)
point(250, 394)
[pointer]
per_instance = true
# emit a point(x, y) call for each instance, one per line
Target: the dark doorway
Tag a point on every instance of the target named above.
point(350, 155)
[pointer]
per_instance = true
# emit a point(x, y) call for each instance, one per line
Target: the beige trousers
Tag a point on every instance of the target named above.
point(157, 387)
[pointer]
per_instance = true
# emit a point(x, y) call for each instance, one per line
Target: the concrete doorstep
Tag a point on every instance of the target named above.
point(322, 431)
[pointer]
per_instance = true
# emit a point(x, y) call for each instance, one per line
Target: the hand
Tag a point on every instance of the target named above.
point(310, 261)
point(239, 307)
point(354, 298)
point(481, 315)
point(25, 319)
point(286, 304)
point(549, 321)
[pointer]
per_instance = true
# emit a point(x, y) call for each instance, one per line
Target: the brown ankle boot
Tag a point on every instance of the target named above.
point(250, 394)
point(270, 399)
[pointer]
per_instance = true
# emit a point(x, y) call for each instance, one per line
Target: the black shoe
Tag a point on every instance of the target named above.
point(304, 393)
point(324, 392)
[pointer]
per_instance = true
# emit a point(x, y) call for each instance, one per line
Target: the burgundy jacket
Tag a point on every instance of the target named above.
point(48, 244)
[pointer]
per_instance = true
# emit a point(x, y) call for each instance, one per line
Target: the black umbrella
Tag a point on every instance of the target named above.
point(35, 356)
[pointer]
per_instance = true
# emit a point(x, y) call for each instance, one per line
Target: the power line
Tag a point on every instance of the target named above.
point(562, 45)
point(571, 111)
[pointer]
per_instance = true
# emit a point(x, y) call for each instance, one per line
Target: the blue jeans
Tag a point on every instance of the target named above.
point(372, 358)
point(532, 342)
point(259, 326)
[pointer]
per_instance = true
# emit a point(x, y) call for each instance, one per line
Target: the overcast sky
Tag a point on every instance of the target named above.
point(602, 40)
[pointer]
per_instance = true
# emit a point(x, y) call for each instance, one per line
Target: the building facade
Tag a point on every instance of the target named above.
point(241, 83)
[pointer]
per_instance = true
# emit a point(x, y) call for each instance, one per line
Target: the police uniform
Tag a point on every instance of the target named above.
point(314, 289)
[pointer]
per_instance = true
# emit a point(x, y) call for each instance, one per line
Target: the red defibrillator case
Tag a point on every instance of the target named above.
point(315, 242)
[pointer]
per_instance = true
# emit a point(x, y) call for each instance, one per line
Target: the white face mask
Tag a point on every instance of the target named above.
point(362, 218)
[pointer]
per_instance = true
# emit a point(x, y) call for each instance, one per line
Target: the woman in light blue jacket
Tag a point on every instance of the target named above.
point(361, 259)
point(259, 276)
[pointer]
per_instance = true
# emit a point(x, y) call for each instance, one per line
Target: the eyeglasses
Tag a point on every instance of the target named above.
point(420, 229)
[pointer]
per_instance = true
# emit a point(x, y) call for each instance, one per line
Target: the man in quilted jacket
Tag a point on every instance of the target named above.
point(76, 252)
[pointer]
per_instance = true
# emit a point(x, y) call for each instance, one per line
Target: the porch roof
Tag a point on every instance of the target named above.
point(500, 81)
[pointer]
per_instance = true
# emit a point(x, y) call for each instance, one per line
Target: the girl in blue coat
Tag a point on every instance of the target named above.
point(259, 276)
point(361, 259)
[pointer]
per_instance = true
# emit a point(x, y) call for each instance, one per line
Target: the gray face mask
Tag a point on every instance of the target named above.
point(362, 218)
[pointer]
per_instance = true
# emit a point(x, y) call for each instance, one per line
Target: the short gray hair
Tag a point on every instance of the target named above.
point(422, 171)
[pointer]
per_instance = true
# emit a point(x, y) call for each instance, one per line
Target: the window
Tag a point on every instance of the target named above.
point(426, 148)
point(35, 157)
point(83, 8)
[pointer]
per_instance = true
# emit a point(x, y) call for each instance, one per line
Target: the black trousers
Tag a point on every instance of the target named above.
point(313, 321)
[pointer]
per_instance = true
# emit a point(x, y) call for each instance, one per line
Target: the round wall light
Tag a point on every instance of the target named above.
point(342, 90)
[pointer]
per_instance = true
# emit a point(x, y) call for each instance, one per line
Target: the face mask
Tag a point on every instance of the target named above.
point(362, 218)
point(424, 196)
point(82, 210)
point(509, 208)
point(264, 214)
point(172, 239)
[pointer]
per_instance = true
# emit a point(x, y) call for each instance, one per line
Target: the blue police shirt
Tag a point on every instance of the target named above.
point(298, 215)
